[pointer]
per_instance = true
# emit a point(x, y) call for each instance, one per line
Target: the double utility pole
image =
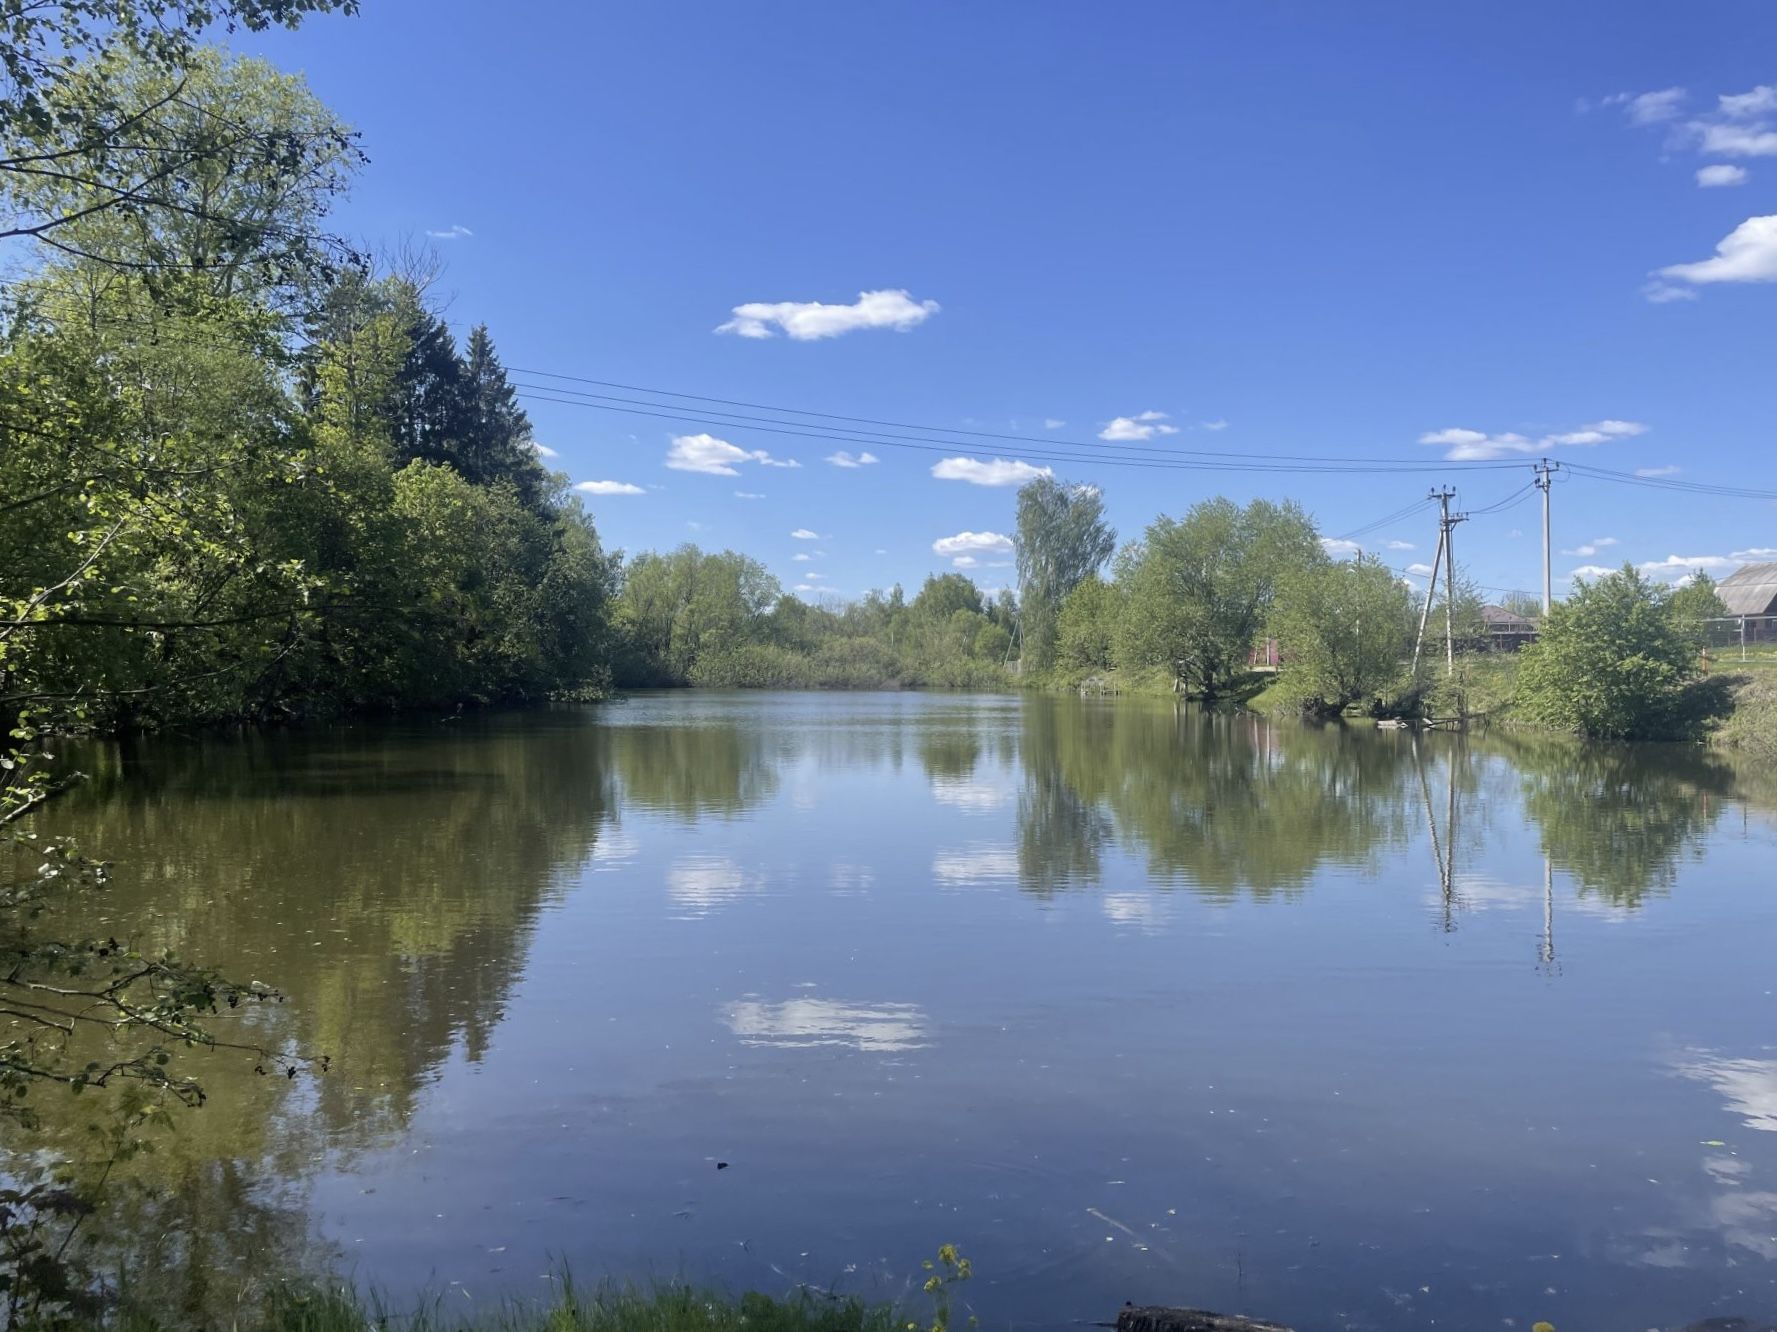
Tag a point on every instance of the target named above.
point(1545, 474)
point(1447, 557)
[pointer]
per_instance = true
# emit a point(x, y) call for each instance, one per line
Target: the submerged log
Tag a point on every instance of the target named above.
point(1158, 1318)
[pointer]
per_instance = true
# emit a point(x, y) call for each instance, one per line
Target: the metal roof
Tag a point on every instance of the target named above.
point(1750, 590)
point(1499, 620)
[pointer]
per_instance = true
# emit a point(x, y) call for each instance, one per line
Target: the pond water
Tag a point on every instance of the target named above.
point(1352, 1028)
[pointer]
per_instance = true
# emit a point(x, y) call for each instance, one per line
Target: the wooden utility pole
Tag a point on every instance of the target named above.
point(1431, 591)
point(1545, 471)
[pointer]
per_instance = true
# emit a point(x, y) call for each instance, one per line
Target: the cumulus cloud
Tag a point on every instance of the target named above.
point(1143, 425)
point(1720, 139)
point(1664, 293)
point(844, 459)
point(998, 472)
point(1591, 571)
point(1687, 564)
point(1718, 174)
point(808, 587)
point(1401, 545)
point(1591, 547)
point(1649, 108)
point(1465, 445)
point(716, 457)
point(973, 543)
point(1758, 554)
point(543, 450)
point(1339, 546)
point(1422, 570)
point(456, 231)
point(804, 534)
point(1761, 101)
point(608, 488)
point(810, 321)
point(1747, 254)
point(801, 557)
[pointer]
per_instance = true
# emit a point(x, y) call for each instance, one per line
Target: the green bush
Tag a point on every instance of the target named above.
point(1612, 663)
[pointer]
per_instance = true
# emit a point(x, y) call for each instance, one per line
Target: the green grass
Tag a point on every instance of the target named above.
point(667, 1308)
point(1751, 728)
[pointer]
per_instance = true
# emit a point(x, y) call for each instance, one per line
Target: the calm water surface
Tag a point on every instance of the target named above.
point(1350, 1028)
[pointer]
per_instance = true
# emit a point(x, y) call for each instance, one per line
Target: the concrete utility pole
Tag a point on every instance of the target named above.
point(1446, 528)
point(1431, 592)
point(1545, 471)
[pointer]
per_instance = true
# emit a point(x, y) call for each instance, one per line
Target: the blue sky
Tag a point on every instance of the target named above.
point(1293, 229)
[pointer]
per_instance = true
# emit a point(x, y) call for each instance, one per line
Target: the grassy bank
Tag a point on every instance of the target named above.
point(670, 1308)
point(1751, 728)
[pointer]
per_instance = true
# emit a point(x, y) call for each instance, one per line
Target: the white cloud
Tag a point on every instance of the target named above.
point(1591, 571)
point(801, 557)
point(881, 551)
point(1718, 174)
point(1421, 570)
point(1592, 547)
point(1339, 546)
point(1733, 140)
point(999, 472)
point(1686, 564)
point(1747, 254)
point(1757, 554)
point(1052, 423)
point(543, 450)
point(450, 233)
point(965, 561)
point(813, 576)
point(844, 459)
point(1401, 545)
point(1143, 425)
point(807, 587)
point(1648, 108)
point(716, 457)
point(1477, 445)
point(973, 543)
point(1668, 470)
point(1664, 293)
point(1217, 424)
point(809, 321)
point(748, 494)
point(975, 864)
point(1761, 101)
point(803, 534)
point(609, 488)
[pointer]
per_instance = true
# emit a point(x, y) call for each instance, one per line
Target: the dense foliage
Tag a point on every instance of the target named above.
point(1614, 662)
point(721, 620)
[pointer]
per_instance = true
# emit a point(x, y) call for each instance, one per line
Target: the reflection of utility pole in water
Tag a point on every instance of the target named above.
point(1446, 859)
point(1545, 952)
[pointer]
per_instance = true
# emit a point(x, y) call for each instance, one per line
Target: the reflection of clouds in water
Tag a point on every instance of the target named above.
point(703, 883)
point(1749, 1086)
point(1481, 892)
point(851, 880)
point(1748, 1220)
point(975, 864)
point(971, 794)
point(1143, 911)
point(806, 1022)
point(613, 850)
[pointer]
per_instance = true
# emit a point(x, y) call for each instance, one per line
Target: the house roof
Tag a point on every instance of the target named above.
point(1499, 620)
point(1750, 590)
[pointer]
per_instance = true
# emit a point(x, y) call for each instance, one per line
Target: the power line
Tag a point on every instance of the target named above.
point(927, 444)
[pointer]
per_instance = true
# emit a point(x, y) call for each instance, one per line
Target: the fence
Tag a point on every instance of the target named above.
point(1742, 637)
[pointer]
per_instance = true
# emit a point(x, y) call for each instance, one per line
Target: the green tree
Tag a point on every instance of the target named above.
point(1696, 602)
point(1611, 663)
point(1200, 590)
point(1086, 627)
point(1343, 627)
point(1062, 539)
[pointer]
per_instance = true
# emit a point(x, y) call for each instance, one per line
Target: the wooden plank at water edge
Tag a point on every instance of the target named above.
point(1157, 1318)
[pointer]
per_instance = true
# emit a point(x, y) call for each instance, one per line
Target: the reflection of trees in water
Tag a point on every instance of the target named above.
point(1620, 819)
point(388, 881)
point(708, 767)
point(1224, 803)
